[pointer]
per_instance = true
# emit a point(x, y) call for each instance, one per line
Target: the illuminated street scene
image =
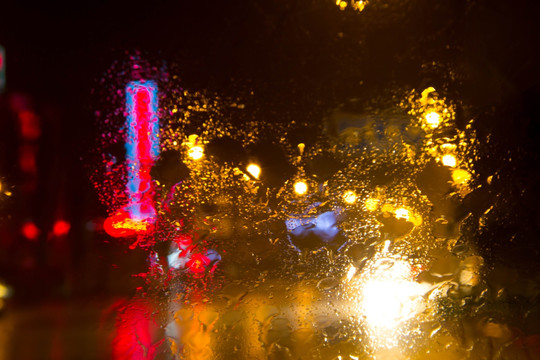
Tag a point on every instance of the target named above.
point(270, 180)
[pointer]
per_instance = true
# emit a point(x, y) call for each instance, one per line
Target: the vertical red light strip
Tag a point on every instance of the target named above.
point(142, 149)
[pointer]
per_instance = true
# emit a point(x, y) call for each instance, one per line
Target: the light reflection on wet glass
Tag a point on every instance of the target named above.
point(353, 225)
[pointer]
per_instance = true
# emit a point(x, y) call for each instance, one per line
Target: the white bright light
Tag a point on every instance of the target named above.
point(449, 160)
point(387, 298)
point(300, 187)
point(402, 213)
point(349, 197)
point(433, 119)
point(196, 152)
point(254, 170)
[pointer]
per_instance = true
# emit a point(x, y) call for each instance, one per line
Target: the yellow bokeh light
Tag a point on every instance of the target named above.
point(349, 197)
point(301, 148)
point(4, 291)
point(196, 152)
point(427, 96)
point(300, 187)
point(192, 139)
point(359, 5)
point(254, 170)
point(433, 119)
point(449, 160)
point(371, 204)
point(460, 176)
point(402, 213)
point(387, 208)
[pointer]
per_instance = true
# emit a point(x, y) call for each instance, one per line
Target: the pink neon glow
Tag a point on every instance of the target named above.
point(142, 149)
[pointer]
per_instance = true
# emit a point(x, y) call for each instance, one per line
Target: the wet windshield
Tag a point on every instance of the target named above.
point(316, 180)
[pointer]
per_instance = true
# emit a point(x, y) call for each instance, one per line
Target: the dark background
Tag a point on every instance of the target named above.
point(300, 58)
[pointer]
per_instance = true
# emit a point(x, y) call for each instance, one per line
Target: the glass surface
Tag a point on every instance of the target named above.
point(279, 180)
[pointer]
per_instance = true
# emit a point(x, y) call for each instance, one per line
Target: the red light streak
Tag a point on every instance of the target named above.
point(142, 148)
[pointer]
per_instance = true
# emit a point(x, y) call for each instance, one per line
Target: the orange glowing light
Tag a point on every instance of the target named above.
point(121, 225)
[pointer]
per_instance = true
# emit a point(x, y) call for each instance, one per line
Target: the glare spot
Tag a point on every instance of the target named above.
point(449, 160)
point(254, 170)
point(388, 297)
point(433, 119)
point(196, 152)
point(402, 213)
point(349, 197)
point(300, 187)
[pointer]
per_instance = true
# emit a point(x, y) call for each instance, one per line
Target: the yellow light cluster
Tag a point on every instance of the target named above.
point(349, 197)
point(433, 119)
point(432, 110)
point(371, 204)
point(195, 150)
point(460, 176)
point(358, 5)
